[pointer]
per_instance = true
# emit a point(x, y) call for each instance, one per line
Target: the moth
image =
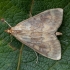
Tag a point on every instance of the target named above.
point(39, 33)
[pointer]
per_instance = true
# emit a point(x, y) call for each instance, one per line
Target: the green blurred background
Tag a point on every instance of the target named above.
point(14, 11)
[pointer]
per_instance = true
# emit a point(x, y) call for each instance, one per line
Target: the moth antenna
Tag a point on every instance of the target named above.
point(6, 22)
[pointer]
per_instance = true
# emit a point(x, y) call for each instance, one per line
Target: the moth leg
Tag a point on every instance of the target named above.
point(36, 57)
point(58, 33)
point(10, 43)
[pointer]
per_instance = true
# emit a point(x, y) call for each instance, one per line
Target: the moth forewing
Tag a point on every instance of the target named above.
point(38, 32)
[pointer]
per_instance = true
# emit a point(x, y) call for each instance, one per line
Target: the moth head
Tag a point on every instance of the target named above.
point(8, 30)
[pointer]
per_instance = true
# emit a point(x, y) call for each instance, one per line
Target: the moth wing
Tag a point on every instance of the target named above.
point(49, 21)
point(49, 47)
point(38, 32)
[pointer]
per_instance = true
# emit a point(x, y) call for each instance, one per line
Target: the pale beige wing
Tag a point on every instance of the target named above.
point(50, 20)
point(49, 47)
point(38, 33)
